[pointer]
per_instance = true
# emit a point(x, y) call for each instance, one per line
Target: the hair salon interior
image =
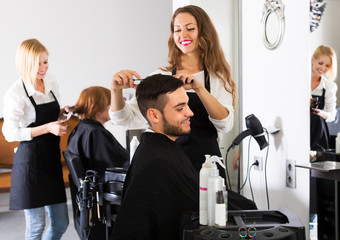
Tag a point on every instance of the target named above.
point(269, 49)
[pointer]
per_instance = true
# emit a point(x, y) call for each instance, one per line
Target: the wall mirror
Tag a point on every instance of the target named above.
point(273, 23)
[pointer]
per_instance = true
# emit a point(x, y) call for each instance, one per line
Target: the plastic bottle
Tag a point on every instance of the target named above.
point(225, 198)
point(204, 175)
point(337, 143)
point(133, 146)
point(220, 209)
point(214, 185)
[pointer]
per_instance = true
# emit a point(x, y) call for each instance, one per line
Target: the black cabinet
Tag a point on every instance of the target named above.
point(325, 203)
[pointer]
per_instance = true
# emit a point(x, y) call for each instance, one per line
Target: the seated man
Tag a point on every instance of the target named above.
point(161, 184)
point(96, 146)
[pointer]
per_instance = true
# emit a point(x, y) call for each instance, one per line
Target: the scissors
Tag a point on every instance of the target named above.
point(69, 114)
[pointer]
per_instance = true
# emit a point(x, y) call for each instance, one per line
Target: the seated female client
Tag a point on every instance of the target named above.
point(96, 146)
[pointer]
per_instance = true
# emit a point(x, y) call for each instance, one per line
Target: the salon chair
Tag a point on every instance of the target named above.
point(111, 195)
point(99, 206)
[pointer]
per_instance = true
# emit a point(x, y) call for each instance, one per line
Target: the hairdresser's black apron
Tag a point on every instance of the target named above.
point(319, 134)
point(203, 136)
point(320, 99)
point(37, 178)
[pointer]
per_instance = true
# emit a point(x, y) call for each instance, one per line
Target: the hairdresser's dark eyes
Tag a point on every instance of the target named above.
point(180, 109)
point(191, 29)
point(46, 62)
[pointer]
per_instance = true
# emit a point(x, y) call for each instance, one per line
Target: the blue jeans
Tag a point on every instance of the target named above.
point(35, 222)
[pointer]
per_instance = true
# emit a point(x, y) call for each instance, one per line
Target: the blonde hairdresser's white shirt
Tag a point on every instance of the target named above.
point(18, 110)
point(131, 117)
point(330, 97)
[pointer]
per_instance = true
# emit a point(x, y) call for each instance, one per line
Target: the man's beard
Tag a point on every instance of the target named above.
point(173, 130)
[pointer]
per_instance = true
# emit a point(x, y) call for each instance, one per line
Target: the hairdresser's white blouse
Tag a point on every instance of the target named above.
point(18, 110)
point(330, 97)
point(131, 117)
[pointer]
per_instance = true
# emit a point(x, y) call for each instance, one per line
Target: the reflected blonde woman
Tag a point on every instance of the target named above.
point(323, 87)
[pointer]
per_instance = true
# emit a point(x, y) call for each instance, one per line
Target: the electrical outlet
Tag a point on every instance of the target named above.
point(290, 174)
point(260, 161)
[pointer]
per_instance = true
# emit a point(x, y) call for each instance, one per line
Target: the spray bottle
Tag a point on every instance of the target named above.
point(204, 175)
point(225, 198)
point(214, 185)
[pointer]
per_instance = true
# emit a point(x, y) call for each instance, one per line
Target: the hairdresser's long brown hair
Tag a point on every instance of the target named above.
point(208, 45)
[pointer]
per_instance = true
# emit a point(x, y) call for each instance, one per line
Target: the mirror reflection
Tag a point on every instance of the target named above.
point(324, 67)
point(323, 99)
point(326, 34)
point(324, 85)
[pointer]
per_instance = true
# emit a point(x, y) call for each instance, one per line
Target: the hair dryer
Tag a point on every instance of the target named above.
point(255, 129)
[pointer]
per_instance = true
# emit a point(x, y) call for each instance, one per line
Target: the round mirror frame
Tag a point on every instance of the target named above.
point(273, 7)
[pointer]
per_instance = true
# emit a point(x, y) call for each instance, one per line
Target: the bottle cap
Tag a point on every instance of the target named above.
point(216, 159)
point(207, 163)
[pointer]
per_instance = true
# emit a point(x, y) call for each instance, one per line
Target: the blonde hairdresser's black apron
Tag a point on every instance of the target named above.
point(203, 136)
point(37, 178)
point(320, 99)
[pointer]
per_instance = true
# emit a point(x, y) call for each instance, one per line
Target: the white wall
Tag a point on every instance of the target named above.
point(88, 40)
point(276, 89)
point(328, 33)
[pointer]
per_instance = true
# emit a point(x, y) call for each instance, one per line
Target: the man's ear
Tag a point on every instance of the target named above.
point(154, 115)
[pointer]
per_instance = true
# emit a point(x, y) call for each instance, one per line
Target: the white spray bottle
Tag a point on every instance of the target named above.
point(214, 185)
point(204, 175)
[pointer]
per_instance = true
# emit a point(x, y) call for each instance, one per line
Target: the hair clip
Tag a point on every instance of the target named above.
point(137, 81)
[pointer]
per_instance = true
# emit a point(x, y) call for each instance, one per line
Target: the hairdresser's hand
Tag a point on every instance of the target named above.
point(124, 79)
point(190, 81)
point(320, 113)
point(57, 128)
point(68, 109)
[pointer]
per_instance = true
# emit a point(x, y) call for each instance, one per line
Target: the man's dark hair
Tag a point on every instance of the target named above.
point(151, 92)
